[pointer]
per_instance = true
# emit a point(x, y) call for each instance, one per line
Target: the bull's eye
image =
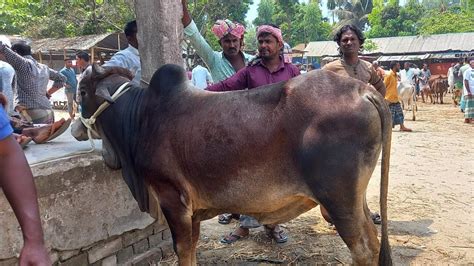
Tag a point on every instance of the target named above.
point(83, 93)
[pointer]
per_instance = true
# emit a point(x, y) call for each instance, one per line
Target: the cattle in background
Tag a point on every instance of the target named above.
point(273, 152)
point(425, 91)
point(407, 96)
point(439, 86)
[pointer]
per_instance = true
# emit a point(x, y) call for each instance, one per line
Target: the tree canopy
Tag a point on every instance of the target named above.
point(58, 18)
point(299, 22)
point(415, 18)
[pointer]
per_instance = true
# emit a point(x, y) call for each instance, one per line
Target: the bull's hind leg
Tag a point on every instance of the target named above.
point(354, 225)
point(195, 237)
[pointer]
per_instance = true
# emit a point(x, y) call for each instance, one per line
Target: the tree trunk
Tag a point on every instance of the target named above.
point(159, 34)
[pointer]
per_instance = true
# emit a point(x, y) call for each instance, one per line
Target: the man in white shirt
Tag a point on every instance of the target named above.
point(406, 74)
point(129, 58)
point(468, 80)
point(450, 75)
point(7, 75)
point(201, 77)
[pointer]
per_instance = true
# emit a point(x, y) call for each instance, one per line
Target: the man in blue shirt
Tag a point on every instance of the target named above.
point(70, 86)
point(16, 180)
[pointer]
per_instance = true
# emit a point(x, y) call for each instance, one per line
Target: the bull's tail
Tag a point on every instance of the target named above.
point(385, 257)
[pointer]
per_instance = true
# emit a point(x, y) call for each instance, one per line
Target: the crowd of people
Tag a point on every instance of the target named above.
point(458, 79)
point(26, 113)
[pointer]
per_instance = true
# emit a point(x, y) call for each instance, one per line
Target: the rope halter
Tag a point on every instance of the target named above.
point(89, 122)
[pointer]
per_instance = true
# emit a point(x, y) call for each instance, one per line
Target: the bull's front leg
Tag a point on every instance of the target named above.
point(180, 222)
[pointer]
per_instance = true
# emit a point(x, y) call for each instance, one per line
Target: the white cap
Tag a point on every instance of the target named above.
point(4, 39)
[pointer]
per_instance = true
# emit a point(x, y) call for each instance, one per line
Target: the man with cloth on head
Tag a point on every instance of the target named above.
point(223, 64)
point(269, 67)
point(231, 38)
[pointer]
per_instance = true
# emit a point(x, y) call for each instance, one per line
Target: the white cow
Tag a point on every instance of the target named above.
point(407, 96)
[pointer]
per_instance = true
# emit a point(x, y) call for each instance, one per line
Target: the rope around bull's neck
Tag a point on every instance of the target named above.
point(89, 122)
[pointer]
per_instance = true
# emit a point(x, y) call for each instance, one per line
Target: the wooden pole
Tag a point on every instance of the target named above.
point(92, 55)
point(118, 41)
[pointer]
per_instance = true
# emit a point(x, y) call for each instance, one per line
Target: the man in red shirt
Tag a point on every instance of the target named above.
point(269, 67)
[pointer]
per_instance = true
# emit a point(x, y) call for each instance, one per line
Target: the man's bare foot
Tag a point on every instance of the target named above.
point(467, 120)
point(405, 129)
point(22, 139)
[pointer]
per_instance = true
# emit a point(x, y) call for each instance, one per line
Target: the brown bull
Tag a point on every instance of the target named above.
point(439, 86)
point(273, 152)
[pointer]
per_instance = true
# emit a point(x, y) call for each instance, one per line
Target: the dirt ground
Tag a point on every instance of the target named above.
point(430, 205)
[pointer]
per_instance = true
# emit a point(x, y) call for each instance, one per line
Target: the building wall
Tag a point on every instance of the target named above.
point(440, 68)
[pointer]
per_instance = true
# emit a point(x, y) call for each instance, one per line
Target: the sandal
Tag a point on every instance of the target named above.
point(57, 128)
point(58, 131)
point(279, 236)
point(231, 238)
point(376, 218)
point(226, 218)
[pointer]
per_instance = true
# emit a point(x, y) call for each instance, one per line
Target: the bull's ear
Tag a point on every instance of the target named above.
point(97, 70)
point(103, 93)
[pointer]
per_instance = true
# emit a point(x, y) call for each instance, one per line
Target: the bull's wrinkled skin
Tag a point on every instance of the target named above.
point(272, 152)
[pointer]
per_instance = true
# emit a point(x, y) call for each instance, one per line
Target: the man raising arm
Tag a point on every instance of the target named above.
point(223, 64)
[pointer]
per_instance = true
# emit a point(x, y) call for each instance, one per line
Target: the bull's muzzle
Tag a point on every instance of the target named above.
point(79, 131)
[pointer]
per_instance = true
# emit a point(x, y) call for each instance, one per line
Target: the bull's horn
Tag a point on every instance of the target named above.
point(97, 70)
point(104, 94)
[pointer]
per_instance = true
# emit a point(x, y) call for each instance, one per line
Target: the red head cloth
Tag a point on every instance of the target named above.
point(223, 27)
point(272, 30)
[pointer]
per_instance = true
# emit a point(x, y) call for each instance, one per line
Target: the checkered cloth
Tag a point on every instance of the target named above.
point(32, 79)
point(469, 106)
point(397, 113)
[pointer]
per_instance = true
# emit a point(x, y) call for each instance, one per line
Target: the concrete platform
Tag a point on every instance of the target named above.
point(88, 213)
point(61, 147)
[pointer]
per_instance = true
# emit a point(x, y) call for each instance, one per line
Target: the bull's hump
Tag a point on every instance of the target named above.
point(168, 78)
